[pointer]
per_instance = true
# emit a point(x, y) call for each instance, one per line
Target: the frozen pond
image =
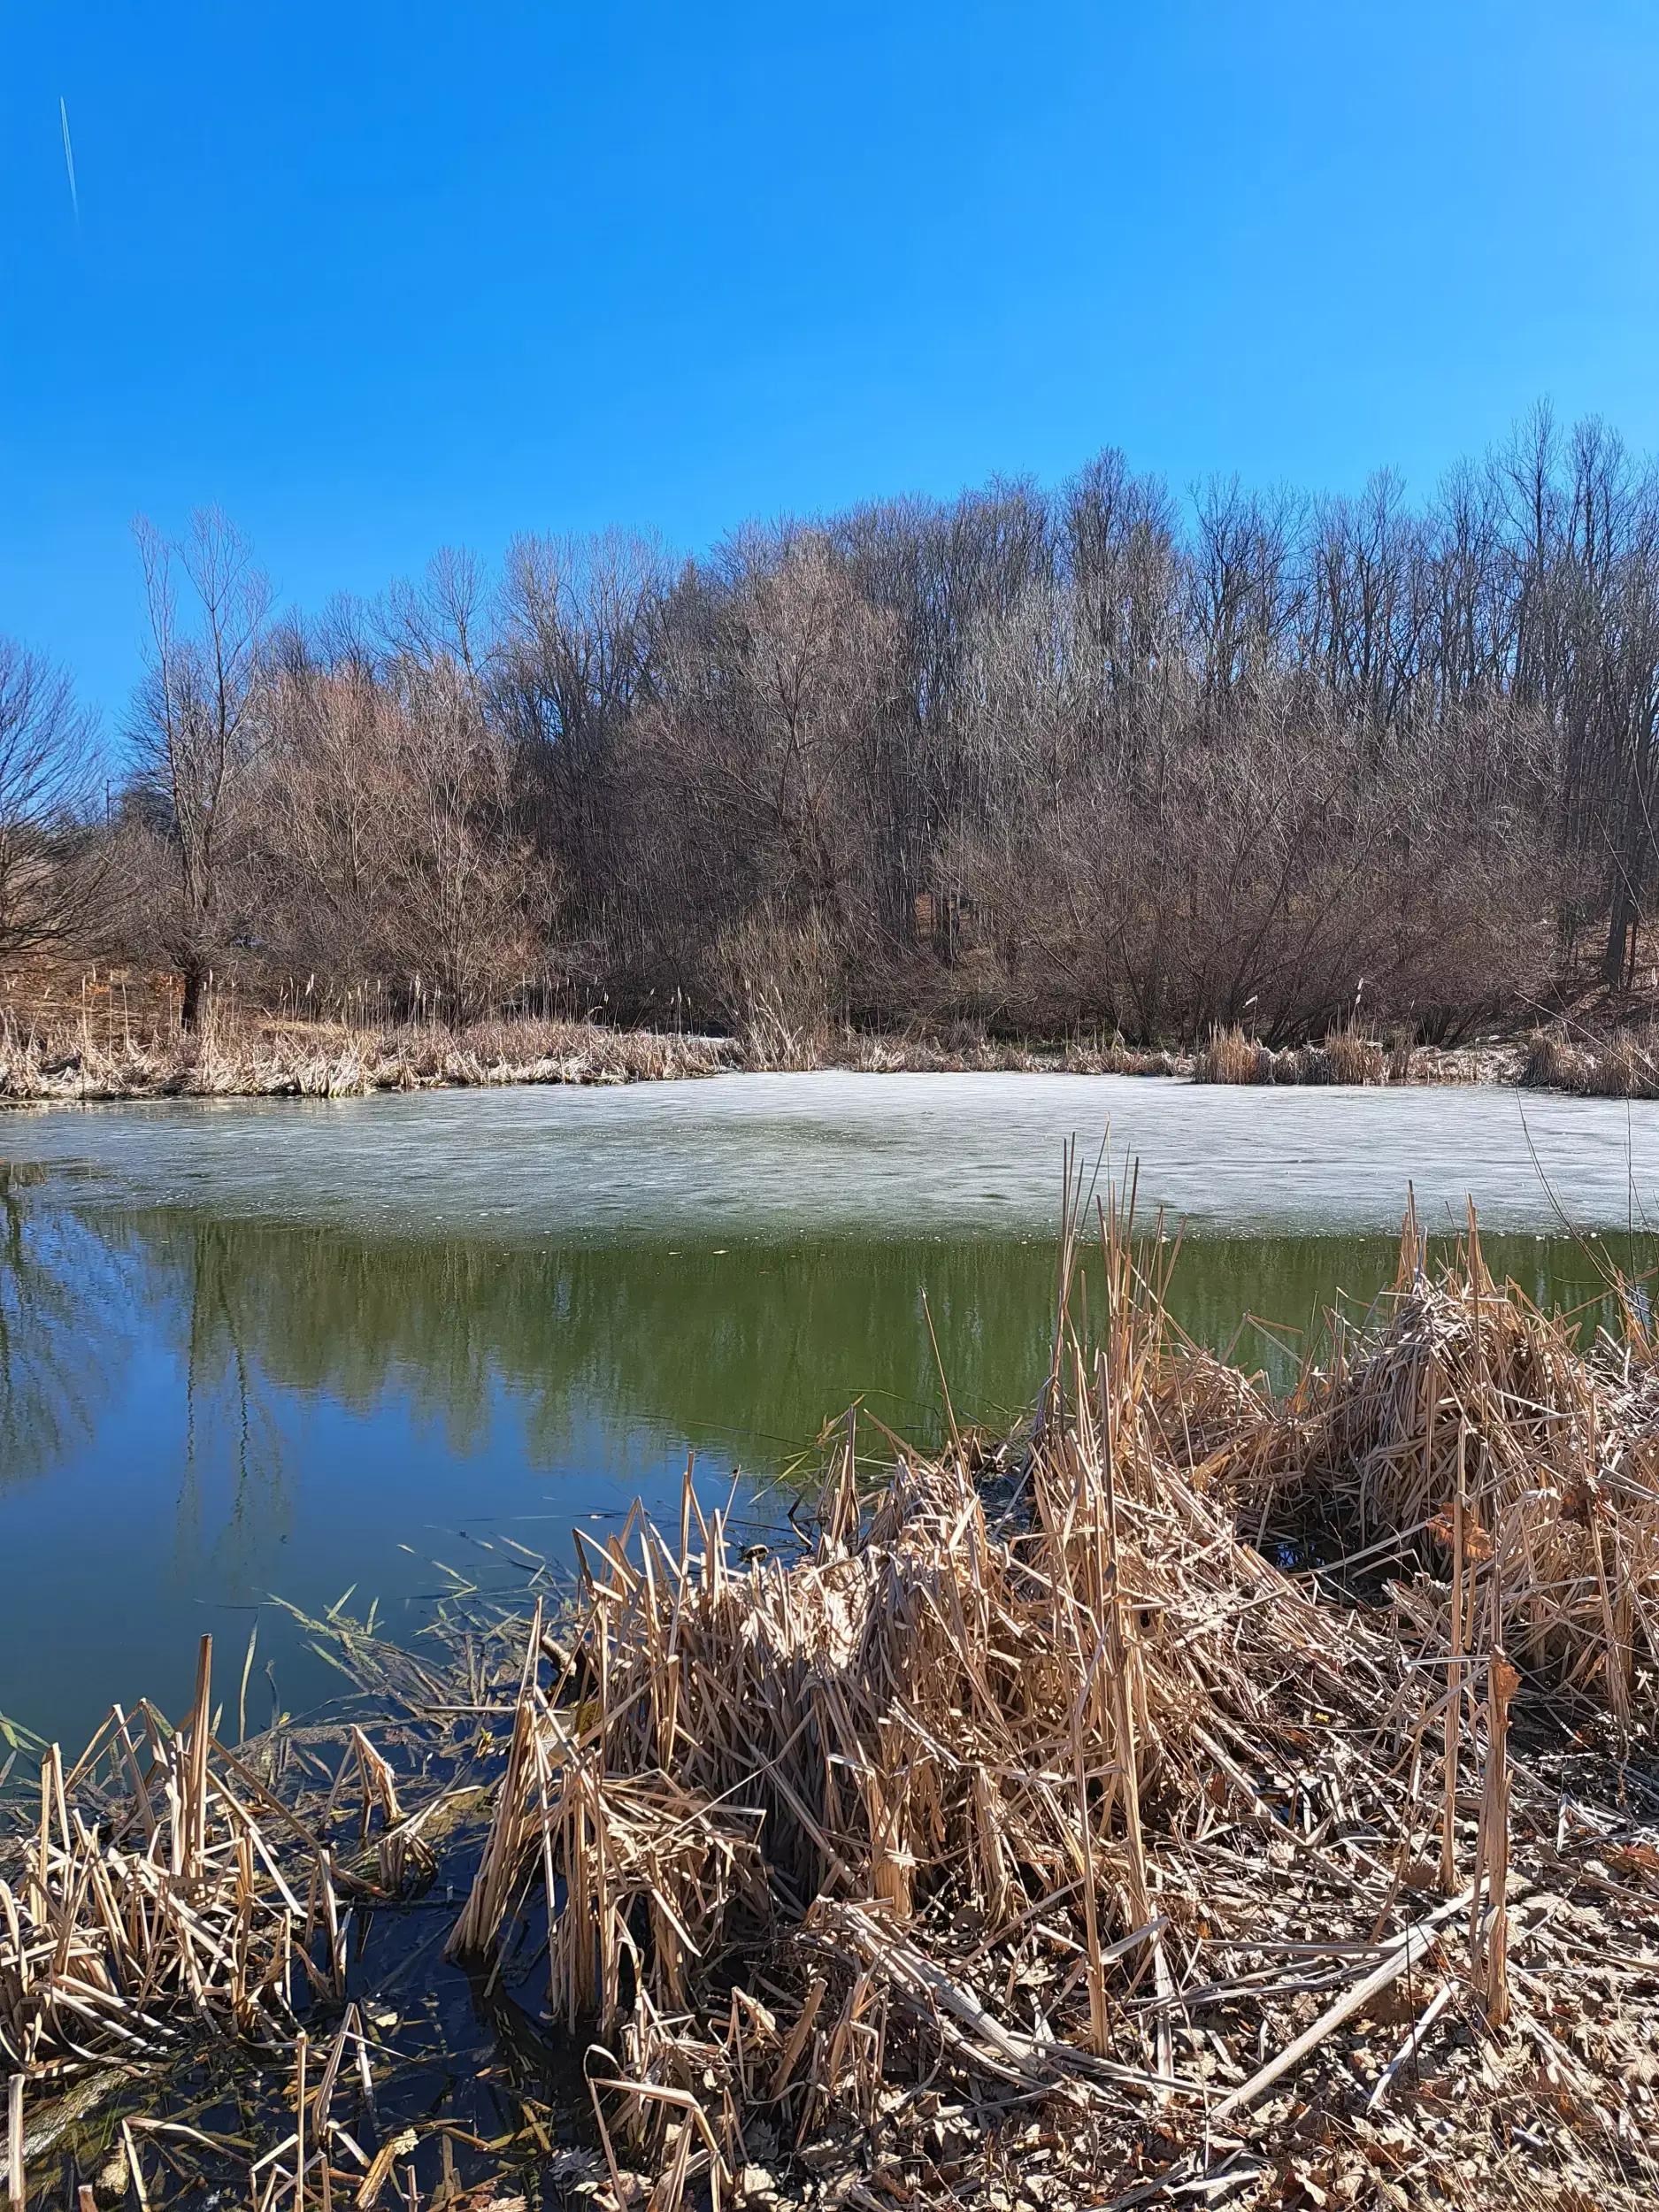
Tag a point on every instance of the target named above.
point(877, 1155)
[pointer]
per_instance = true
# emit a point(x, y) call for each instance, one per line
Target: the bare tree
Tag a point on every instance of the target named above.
point(439, 617)
point(51, 860)
point(323, 808)
point(466, 884)
point(195, 727)
point(575, 658)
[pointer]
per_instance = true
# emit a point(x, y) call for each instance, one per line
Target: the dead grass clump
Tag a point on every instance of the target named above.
point(1623, 1065)
point(957, 1047)
point(964, 1048)
point(1114, 1057)
point(1227, 1056)
point(164, 1885)
point(1349, 1057)
point(1462, 1420)
point(1403, 1061)
point(928, 1729)
point(1553, 1062)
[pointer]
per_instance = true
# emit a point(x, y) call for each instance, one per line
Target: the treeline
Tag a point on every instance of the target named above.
point(1046, 758)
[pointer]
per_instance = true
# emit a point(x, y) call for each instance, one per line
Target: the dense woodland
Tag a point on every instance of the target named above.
point(1096, 756)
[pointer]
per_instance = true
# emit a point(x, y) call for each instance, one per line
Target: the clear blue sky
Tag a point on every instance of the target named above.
point(379, 276)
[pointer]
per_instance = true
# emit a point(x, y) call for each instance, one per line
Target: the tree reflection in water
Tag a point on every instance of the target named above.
point(283, 1407)
point(65, 1293)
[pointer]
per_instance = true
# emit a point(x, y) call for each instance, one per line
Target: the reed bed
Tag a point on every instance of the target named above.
point(234, 1057)
point(164, 1882)
point(1045, 1815)
point(1346, 1056)
point(964, 1049)
point(168, 1895)
point(105, 1054)
point(1622, 1065)
point(237, 1055)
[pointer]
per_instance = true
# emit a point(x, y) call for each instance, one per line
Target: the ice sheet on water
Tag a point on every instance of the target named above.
point(749, 1155)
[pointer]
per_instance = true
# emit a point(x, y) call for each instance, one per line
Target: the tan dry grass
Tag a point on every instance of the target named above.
point(1346, 1056)
point(1229, 1057)
point(1622, 1065)
point(276, 1057)
point(86, 1055)
point(1349, 1057)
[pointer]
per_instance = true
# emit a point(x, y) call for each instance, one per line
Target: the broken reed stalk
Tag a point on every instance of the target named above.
point(1455, 1666)
point(1399, 1957)
point(1489, 1927)
point(17, 2178)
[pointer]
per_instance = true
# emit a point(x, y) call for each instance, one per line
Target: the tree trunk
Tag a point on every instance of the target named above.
point(1621, 922)
point(190, 1003)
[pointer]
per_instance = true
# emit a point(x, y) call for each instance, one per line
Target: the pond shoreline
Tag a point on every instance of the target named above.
point(789, 1833)
point(253, 1057)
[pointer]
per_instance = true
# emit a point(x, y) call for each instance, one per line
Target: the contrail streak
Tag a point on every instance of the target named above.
point(69, 160)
